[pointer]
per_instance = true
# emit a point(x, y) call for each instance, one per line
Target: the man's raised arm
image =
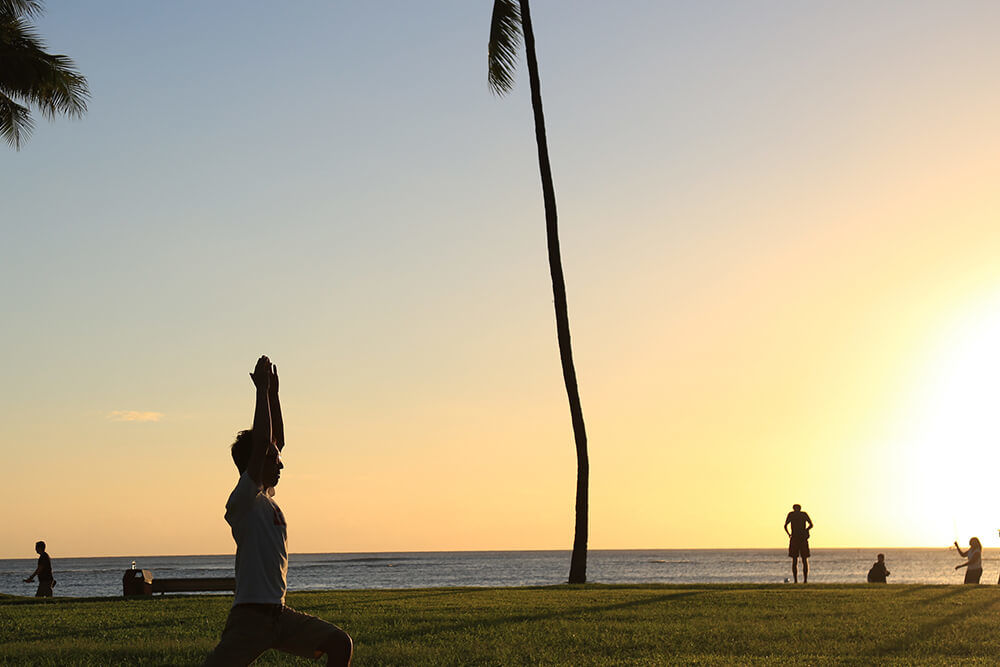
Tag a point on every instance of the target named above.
point(261, 419)
point(277, 426)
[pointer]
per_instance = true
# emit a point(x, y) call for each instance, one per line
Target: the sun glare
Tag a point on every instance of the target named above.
point(952, 448)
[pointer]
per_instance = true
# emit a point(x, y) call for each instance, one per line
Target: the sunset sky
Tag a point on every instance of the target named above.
point(780, 227)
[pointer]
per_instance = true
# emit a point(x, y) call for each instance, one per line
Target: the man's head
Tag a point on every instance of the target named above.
point(796, 507)
point(241, 450)
point(39, 547)
point(881, 557)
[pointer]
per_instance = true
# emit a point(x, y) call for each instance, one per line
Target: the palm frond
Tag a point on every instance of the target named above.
point(20, 7)
point(16, 33)
point(60, 89)
point(29, 74)
point(15, 122)
point(505, 42)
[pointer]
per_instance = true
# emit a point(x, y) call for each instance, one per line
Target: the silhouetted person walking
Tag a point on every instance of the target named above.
point(259, 619)
point(878, 573)
point(798, 541)
point(43, 572)
point(974, 562)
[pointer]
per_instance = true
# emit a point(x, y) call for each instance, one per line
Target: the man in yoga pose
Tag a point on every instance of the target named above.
point(259, 619)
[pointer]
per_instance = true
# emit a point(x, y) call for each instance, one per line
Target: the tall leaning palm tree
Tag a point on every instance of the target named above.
point(31, 77)
point(511, 20)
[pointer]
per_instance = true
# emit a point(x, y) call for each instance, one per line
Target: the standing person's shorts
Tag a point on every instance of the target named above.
point(44, 588)
point(252, 629)
point(973, 576)
point(798, 547)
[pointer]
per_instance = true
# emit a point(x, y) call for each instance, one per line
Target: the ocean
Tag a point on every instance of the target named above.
point(90, 577)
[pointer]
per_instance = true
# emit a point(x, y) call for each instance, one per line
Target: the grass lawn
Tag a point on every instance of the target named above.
point(569, 625)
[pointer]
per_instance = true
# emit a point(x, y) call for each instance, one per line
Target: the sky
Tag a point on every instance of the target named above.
point(779, 227)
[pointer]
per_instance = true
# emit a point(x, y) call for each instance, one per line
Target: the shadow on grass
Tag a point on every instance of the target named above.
point(909, 589)
point(142, 599)
point(162, 623)
point(927, 630)
point(950, 592)
point(379, 600)
point(526, 618)
point(15, 601)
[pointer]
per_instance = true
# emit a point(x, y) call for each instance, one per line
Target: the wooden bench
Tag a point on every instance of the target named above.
point(142, 582)
point(194, 585)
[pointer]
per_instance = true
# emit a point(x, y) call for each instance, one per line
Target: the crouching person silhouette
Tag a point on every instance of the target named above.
point(259, 619)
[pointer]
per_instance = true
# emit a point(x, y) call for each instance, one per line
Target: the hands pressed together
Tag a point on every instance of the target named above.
point(265, 375)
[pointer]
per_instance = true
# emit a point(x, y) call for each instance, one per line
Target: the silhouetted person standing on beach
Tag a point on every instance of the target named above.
point(43, 572)
point(798, 541)
point(259, 619)
point(878, 572)
point(975, 562)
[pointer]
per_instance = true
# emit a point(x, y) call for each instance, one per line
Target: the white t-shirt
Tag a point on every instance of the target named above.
point(261, 536)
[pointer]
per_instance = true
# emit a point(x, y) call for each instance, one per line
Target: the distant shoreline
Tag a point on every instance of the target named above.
point(496, 551)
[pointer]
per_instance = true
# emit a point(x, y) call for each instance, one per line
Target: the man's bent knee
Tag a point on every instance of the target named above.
point(338, 648)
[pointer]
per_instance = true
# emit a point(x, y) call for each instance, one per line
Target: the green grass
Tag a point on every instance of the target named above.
point(569, 625)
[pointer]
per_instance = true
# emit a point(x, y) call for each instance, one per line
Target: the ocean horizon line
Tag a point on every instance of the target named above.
point(567, 550)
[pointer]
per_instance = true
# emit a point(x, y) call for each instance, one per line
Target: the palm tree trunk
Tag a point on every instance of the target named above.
point(578, 562)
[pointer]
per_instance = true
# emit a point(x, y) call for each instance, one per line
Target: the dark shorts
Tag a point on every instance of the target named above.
point(252, 629)
point(44, 588)
point(798, 547)
point(973, 576)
